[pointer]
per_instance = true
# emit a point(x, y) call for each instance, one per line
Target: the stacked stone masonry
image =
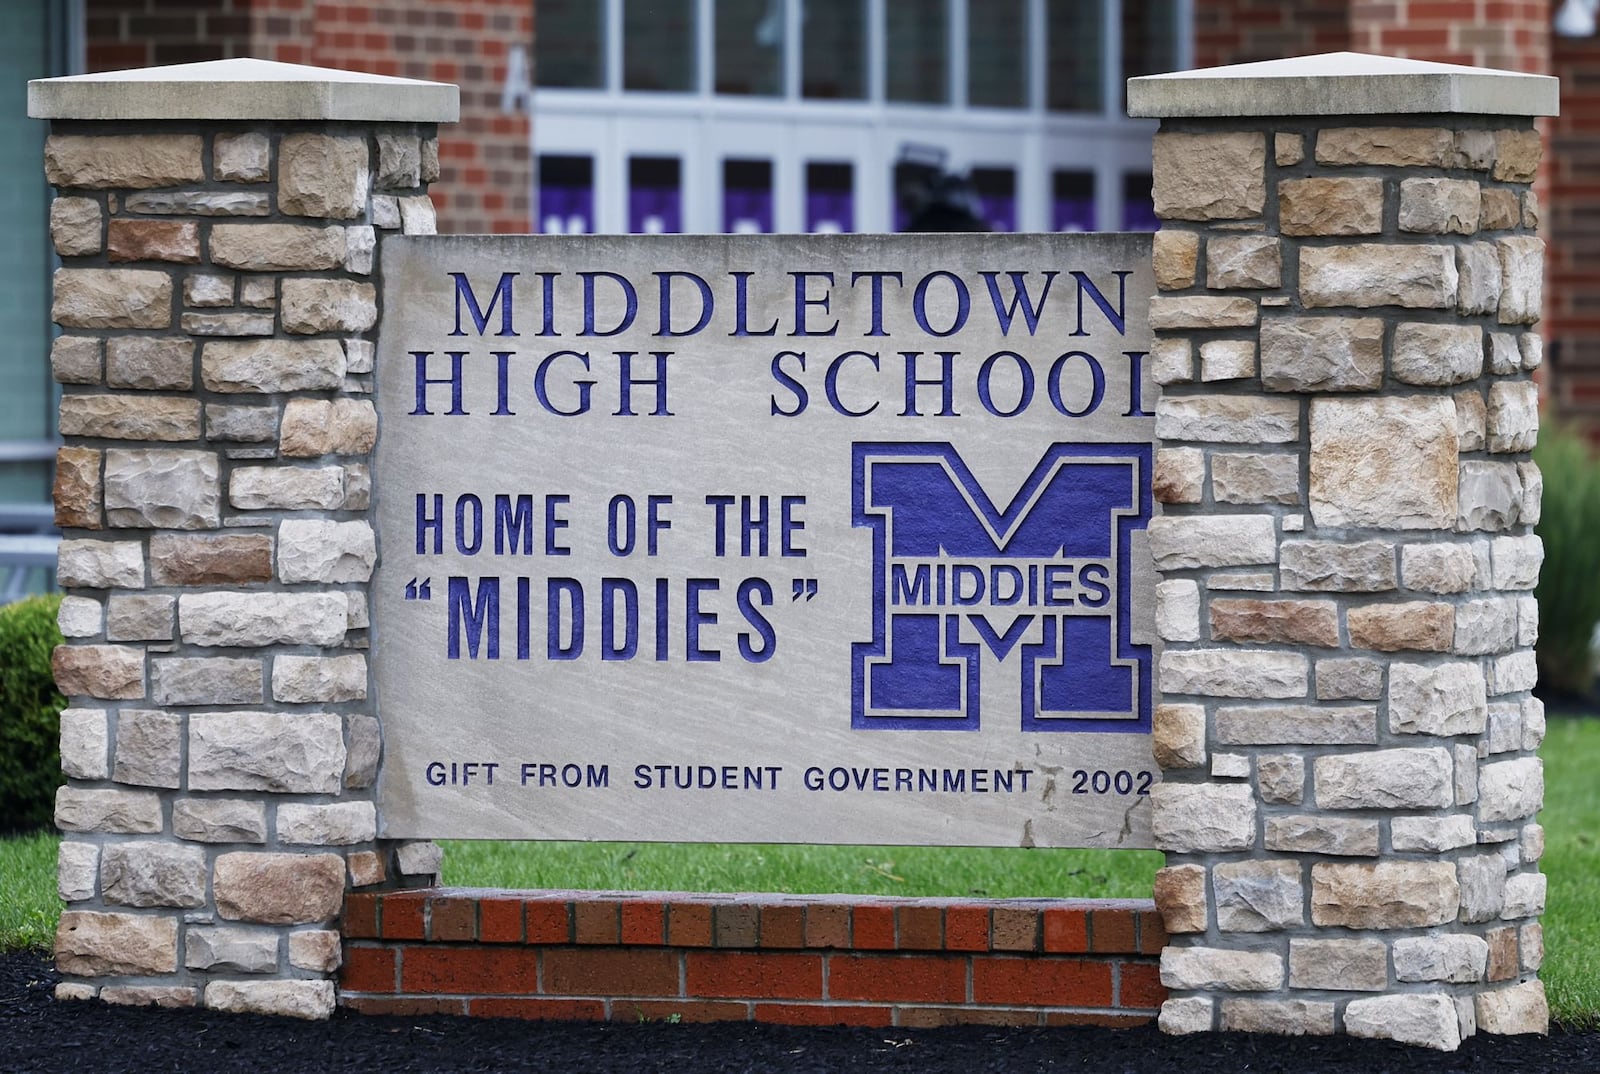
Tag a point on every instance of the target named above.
point(801, 959)
point(217, 302)
point(1345, 339)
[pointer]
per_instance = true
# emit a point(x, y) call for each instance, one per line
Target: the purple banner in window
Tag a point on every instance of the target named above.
point(566, 210)
point(747, 212)
point(830, 211)
point(655, 210)
point(1073, 214)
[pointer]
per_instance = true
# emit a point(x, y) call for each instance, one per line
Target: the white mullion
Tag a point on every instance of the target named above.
point(792, 56)
point(611, 38)
point(877, 51)
point(1038, 58)
point(956, 52)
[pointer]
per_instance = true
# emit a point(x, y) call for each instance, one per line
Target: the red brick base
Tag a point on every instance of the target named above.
point(810, 959)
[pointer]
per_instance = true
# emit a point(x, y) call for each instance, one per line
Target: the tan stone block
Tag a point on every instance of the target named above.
point(1459, 959)
point(1436, 354)
point(1349, 679)
point(1516, 155)
point(1474, 150)
point(149, 874)
point(149, 362)
point(1406, 147)
point(302, 753)
point(153, 240)
point(1278, 1017)
point(315, 427)
point(1227, 359)
point(1424, 626)
point(430, 160)
point(232, 559)
point(256, 619)
point(1288, 148)
point(1321, 834)
point(1178, 735)
point(1238, 477)
point(1281, 778)
point(85, 743)
point(1384, 779)
point(1512, 416)
point(265, 488)
point(1300, 354)
point(321, 550)
point(140, 617)
point(131, 417)
point(100, 564)
point(323, 175)
point(367, 868)
point(93, 944)
point(365, 747)
point(258, 292)
point(126, 160)
point(203, 290)
point(163, 488)
point(230, 949)
point(320, 305)
point(1510, 790)
point(1186, 541)
point(241, 158)
point(334, 824)
point(1367, 275)
point(75, 226)
point(1293, 622)
point(1429, 1019)
point(1228, 419)
point(1179, 475)
point(1472, 419)
point(1519, 1009)
point(1478, 278)
point(1491, 495)
point(277, 247)
point(1430, 835)
point(1199, 817)
point(1180, 897)
point(111, 298)
point(1339, 965)
point(1180, 1017)
point(1388, 463)
point(77, 488)
point(168, 997)
point(417, 216)
point(1521, 279)
point(122, 812)
point(316, 950)
point(228, 324)
point(241, 424)
point(1172, 360)
point(1209, 176)
point(270, 366)
point(77, 868)
point(220, 820)
point(1243, 261)
point(1530, 943)
point(1437, 206)
point(149, 750)
point(1530, 210)
point(1174, 255)
point(1214, 969)
point(1168, 313)
point(198, 203)
point(1330, 206)
point(206, 681)
point(1384, 895)
point(1499, 209)
point(75, 360)
point(1234, 673)
point(312, 1000)
point(1284, 725)
point(399, 161)
point(106, 671)
point(278, 889)
point(1258, 896)
point(302, 679)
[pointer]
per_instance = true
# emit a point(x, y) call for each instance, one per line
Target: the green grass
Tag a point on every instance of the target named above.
point(29, 907)
point(1571, 819)
point(28, 903)
point(1124, 874)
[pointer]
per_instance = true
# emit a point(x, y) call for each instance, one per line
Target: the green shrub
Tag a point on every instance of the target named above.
point(30, 714)
point(1569, 584)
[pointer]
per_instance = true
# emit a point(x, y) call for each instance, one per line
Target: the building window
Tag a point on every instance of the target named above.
point(833, 44)
point(1072, 201)
point(568, 44)
point(1138, 207)
point(996, 189)
point(1074, 65)
point(566, 195)
point(749, 57)
point(746, 197)
point(997, 54)
point(830, 198)
point(918, 55)
point(655, 196)
point(658, 45)
point(1149, 38)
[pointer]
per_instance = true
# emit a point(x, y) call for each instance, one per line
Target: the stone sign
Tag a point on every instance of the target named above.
point(799, 539)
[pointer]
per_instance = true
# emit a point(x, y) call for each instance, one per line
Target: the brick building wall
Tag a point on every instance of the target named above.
point(484, 160)
point(1572, 228)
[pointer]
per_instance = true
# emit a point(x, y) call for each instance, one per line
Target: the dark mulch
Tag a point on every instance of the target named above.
point(39, 1034)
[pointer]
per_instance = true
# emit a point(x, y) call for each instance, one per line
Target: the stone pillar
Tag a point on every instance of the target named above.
point(1349, 277)
point(217, 225)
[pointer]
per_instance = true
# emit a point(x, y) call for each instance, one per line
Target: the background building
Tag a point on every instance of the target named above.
point(780, 115)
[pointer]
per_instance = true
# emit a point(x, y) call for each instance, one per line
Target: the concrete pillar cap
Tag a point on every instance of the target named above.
point(243, 89)
point(1342, 83)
